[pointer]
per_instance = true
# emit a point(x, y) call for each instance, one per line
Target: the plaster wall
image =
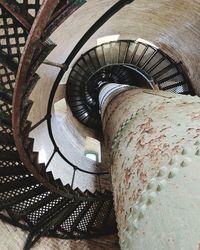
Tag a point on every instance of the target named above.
point(153, 139)
point(171, 25)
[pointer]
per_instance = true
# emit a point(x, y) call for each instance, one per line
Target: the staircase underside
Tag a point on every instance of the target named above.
point(31, 198)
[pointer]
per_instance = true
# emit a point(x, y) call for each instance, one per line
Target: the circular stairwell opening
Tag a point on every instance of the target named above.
point(136, 63)
point(126, 62)
point(33, 203)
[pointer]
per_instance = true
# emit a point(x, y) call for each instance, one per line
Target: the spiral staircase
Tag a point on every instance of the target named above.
point(31, 197)
point(134, 63)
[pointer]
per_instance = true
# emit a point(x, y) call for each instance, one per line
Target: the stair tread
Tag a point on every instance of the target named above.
point(9, 156)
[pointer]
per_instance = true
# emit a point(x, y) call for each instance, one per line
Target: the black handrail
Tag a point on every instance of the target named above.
point(83, 98)
point(105, 17)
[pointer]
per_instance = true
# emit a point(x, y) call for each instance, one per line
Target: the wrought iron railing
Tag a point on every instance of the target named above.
point(30, 196)
point(117, 61)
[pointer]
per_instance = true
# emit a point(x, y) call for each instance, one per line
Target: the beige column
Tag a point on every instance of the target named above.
point(154, 143)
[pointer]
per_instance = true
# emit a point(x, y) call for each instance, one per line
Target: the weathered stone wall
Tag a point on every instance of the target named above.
point(154, 143)
point(171, 25)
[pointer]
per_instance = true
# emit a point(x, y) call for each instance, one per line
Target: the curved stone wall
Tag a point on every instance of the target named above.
point(153, 138)
point(171, 25)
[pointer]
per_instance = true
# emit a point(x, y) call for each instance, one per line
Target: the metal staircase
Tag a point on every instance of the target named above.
point(31, 198)
point(134, 63)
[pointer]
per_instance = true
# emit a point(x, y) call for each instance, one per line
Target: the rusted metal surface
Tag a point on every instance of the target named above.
point(153, 138)
point(32, 57)
point(34, 53)
point(14, 9)
point(97, 206)
point(22, 76)
point(43, 50)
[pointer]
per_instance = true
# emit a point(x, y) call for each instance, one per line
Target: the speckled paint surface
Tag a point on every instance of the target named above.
point(154, 142)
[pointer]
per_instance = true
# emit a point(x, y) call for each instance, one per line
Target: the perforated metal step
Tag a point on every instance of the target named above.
point(124, 62)
point(24, 201)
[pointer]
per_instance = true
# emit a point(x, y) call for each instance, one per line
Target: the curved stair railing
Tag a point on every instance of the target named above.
point(104, 63)
point(31, 198)
point(26, 79)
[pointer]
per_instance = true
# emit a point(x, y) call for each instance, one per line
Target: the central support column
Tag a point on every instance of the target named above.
point(154, 142)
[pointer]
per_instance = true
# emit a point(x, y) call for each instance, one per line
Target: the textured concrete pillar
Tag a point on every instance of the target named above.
point(154, 143)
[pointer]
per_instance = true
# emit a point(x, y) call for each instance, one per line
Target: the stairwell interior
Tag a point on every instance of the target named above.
point(47, 185)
